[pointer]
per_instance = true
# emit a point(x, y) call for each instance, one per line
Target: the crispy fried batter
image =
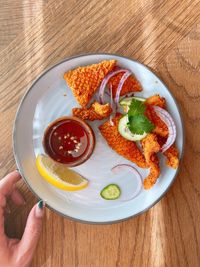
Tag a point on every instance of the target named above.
point(130, 85)
point(160, 127)
point(123, 147)
point(84, 81)
point(95, 112)
point(171, 154)
point(151, 147)
point(156, 100)
point(102, 110)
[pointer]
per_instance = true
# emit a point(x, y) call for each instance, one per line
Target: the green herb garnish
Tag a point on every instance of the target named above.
point(136, 107)
point(138, 122)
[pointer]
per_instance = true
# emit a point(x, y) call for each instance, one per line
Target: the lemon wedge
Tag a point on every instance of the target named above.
point(59, 175)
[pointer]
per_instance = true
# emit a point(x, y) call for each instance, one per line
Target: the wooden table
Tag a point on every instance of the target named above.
point(165, 35)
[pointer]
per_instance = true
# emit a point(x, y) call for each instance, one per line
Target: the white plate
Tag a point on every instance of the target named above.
point(45, 102)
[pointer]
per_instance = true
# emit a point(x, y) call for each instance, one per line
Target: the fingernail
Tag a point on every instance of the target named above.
point(40, 204)
point(40, 209)
point(17, 171)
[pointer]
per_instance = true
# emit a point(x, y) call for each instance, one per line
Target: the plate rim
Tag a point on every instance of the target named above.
point(26, 180)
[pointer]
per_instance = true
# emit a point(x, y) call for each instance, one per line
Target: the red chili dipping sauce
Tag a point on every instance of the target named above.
point(69, 140)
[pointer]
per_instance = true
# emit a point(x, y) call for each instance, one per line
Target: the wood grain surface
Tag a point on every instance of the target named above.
point(165, 35)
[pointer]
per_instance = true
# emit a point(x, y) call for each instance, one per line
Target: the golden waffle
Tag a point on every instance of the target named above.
point(125, 148)
point(130, 85)
point(84, 81)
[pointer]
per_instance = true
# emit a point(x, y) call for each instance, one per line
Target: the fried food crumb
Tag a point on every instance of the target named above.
point(95, 112)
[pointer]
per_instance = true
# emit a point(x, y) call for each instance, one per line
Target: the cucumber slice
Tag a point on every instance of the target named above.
point(127, 101)
point(111, 192)
point(126, 133)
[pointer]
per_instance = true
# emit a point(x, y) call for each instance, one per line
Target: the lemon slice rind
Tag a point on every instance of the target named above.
point(49, 174)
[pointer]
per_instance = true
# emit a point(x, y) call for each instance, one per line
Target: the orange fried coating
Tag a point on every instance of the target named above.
point(156, 100)
point(171, 154)
point(125, 148)
point(130, 85)
point(160, 127)
point(103, 110)
point(150, 147)
point(95, 112)
point(84, 81)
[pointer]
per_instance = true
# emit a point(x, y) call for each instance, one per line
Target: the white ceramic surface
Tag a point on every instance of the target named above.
point(44, 102)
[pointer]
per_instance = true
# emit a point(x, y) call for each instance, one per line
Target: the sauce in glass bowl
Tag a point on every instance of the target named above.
point(69, 140)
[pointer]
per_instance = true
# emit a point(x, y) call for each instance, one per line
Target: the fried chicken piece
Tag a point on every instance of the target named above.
point(151, 147)
point(156, 100)
point(130, 85)
point(171, 154)
point(103, 110)
point(160, 127)
point(84, 81)
point(95, 112)
point(125, 148)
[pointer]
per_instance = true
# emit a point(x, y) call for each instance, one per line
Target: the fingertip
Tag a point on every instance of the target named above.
point(13, 176)
point(32, 230)
point(18, 174)
point(8, 182)
point(39, 209)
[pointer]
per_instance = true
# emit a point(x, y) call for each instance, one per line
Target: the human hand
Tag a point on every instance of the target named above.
point(15, 252)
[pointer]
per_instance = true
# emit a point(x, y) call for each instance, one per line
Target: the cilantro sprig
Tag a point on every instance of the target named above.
point(136, 107)
point(138, 123)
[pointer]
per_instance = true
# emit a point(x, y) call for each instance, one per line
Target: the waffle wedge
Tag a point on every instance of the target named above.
point(130, 85)
point(125, 148)
point(84, 81)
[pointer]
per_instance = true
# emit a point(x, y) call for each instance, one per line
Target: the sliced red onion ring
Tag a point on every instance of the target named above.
point(168, 120)
point(137, 175)
point(120, 85)
point(105, 81)
point(113, 107)
point(107, 93)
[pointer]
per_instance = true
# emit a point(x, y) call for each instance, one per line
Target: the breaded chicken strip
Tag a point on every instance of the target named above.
point(130, 85)
point(160, 127)
point(125, 148)
point(161, 130)
point(171, 154)
point(95, 112)
point(156, 100)
point(150, 147)
point(84, 81)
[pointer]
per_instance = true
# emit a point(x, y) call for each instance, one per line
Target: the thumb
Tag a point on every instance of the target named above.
point(32, 232)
